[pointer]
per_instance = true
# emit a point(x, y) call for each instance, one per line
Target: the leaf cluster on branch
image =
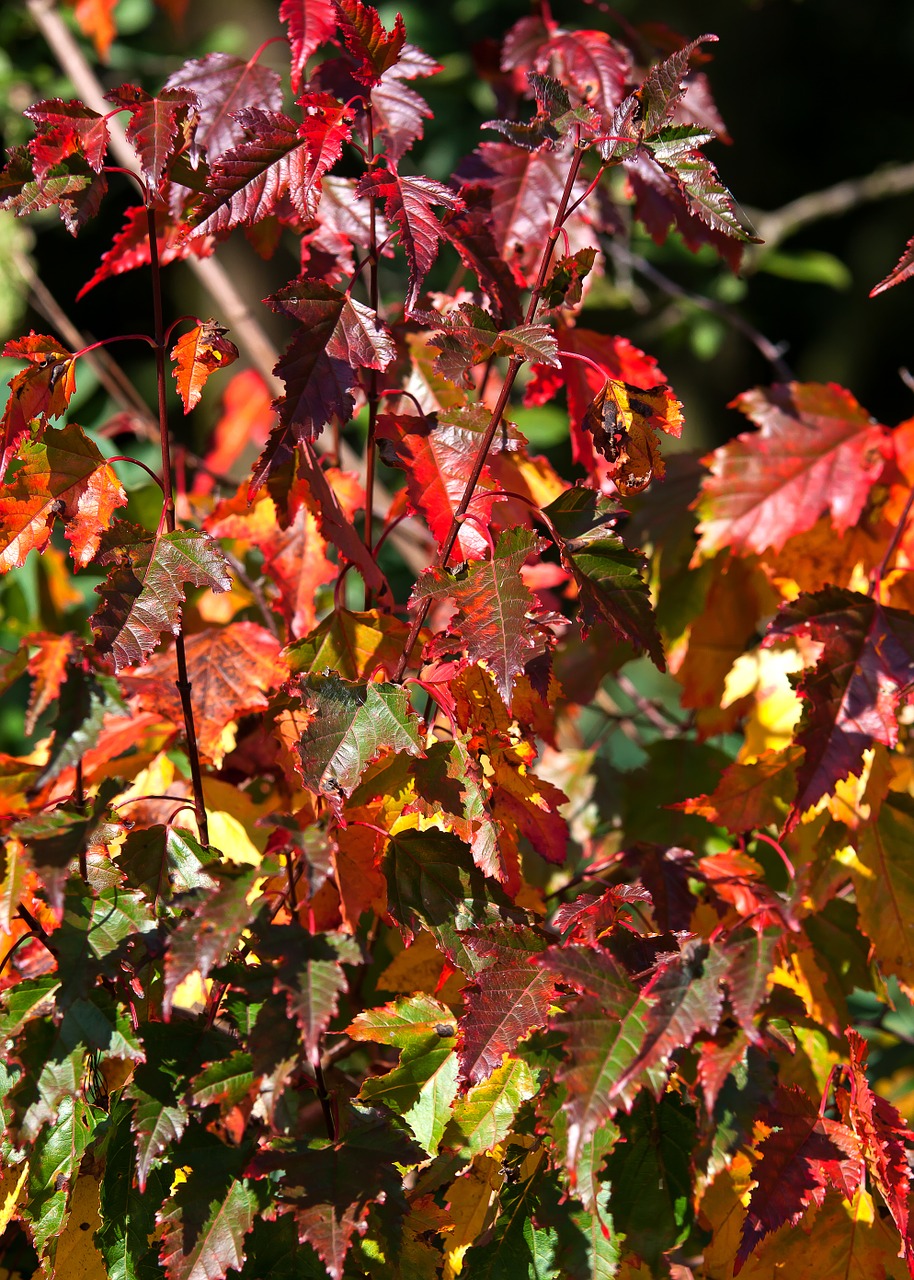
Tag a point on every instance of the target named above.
point(362, 923)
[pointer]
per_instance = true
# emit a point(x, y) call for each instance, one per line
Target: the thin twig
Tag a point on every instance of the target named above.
point(780, 224)
point(772, 352)
point(880, 571)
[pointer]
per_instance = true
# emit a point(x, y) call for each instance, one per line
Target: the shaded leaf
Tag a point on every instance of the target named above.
point(221, 85)
point(852, 695)
point(142, 596)
point(608, 575)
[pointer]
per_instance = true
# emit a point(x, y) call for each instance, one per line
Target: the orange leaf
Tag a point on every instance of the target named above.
point(48, 668)
point(41, 390)
point(64, 474)
point(246, 421)
point(197, 354)
point(96, 21)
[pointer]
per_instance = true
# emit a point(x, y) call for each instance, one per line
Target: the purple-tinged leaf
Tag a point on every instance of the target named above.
point(470, 232)
point(662, 87)
point(157, 126)
point(142, 597)
point(351, 724)
point(361, 339)
point(801, 1158)
point(312, 979)
point(609, 576)
point(495, 611)
point(851, 696)
point(224, 85)
point(507, 999)
point(408, 202)
point(593, 66)
point(204, 1222)
point(750, 955)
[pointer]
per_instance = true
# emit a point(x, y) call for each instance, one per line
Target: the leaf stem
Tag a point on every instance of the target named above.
point(501, 403)
point(182, 683)
point(373, 392)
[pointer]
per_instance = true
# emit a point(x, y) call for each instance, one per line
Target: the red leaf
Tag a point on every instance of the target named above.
point(591, 65)
point(750, 795)
point(197, 354)
point(63, 474)
point(437, 454)
point(246, 420)
point(817, 450)
point(470, 232)
point(130, 247)
point(506, 1001)
point(408, 203)
point(310, 23)
point(223, 85)
point(157, 125)
point(903, 270)
point(277, 158)
point(803, 1156)
point(590, 916)
point(66, 128)
point(852, 695)
point(494, 620)
point(374, 48)
point(295, 558)
point(882, 1134)
point(232, 671)
point(750, 959)
point(361, 338)
point(41, 390)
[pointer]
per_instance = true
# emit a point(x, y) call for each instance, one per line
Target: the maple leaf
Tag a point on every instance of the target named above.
point(433, 882)
point(803, 1155)
point(197, 354)
point(310, 23)
point(853, 692)
point(312, 979)
point(157, 126)
point(142, 596)
point(594, 66)
point(751, 958)
point(295, 559)
point(130, 247)
point(330, 1188)
point(71, 186)
point(232, 671)
point(751, 795)
point(354, 645)
point(525, 187)
point(437, 453)
point(351, 724)
point(903, 270)
point(397, 110)
point(603, 1029)
point(507, 1000)
point(494, 608)
point(408, 203)
point(221, 84)
point(372, 47)
point(203, 1223)
point(64, 129)
point(884, 879)
point(361, 338)
point(63, 474)
point(882, 1134)
point(41, 390)
point(275, 158)
point(817, 450)
point(608, 575)
point(623, 421)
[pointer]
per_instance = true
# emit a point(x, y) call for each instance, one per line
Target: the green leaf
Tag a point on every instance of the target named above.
point(651, 1174)
point(312, 978)
point(87, 698)
point(433, 882)
point(610, 578)
point(228, 1082)
point(53, 1167)
point(29, 998)
point(161, 861)
point(351, 724)
point(518, 1249)
point(484, 1116)
point(127, 1216)
point(142, 596)
point(351, 644)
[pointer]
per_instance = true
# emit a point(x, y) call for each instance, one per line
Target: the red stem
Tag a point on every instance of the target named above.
point(168, 515)
point(514, 366)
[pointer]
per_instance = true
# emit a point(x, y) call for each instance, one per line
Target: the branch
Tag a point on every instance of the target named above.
point(772, 352)
point(780, 224)
point(410, 538)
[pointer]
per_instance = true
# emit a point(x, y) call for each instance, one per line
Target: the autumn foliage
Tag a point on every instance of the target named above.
point(341, 937)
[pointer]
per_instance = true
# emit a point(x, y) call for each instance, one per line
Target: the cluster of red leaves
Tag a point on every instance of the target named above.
point(298, 980)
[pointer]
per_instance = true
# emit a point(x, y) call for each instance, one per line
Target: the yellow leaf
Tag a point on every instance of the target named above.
point(75, 1255)
point(418, 968)
point(764, 673)
point(469, 1203)
point(841, 1241)
point(12, 1180)
point(723, 1208)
